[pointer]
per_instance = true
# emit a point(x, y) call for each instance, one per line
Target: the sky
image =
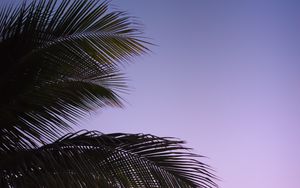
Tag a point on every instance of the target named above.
point(223, 76)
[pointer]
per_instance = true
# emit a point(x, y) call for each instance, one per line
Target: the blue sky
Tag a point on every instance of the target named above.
point(224, 76)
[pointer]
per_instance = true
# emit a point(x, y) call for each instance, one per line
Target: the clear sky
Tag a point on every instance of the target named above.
point(225, 77)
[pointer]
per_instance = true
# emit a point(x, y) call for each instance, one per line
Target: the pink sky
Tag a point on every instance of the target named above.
point(225, 77)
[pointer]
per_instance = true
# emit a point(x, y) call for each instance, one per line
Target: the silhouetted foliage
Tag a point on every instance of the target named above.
point(59, 61)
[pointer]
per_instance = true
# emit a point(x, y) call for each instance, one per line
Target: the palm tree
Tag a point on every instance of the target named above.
point(59, 61)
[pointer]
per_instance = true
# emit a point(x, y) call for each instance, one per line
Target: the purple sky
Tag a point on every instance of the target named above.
point(225, 77)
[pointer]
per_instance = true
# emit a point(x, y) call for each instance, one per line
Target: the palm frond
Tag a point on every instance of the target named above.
point(92, 159)
point(59, 60)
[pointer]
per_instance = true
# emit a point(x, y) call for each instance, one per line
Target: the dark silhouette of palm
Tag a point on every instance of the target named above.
point(59, 61)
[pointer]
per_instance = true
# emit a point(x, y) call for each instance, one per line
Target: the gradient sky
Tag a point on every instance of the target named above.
point(224, 76)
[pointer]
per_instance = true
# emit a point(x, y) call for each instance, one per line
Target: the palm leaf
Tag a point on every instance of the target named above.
point(59, 60)
point(92, 159)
